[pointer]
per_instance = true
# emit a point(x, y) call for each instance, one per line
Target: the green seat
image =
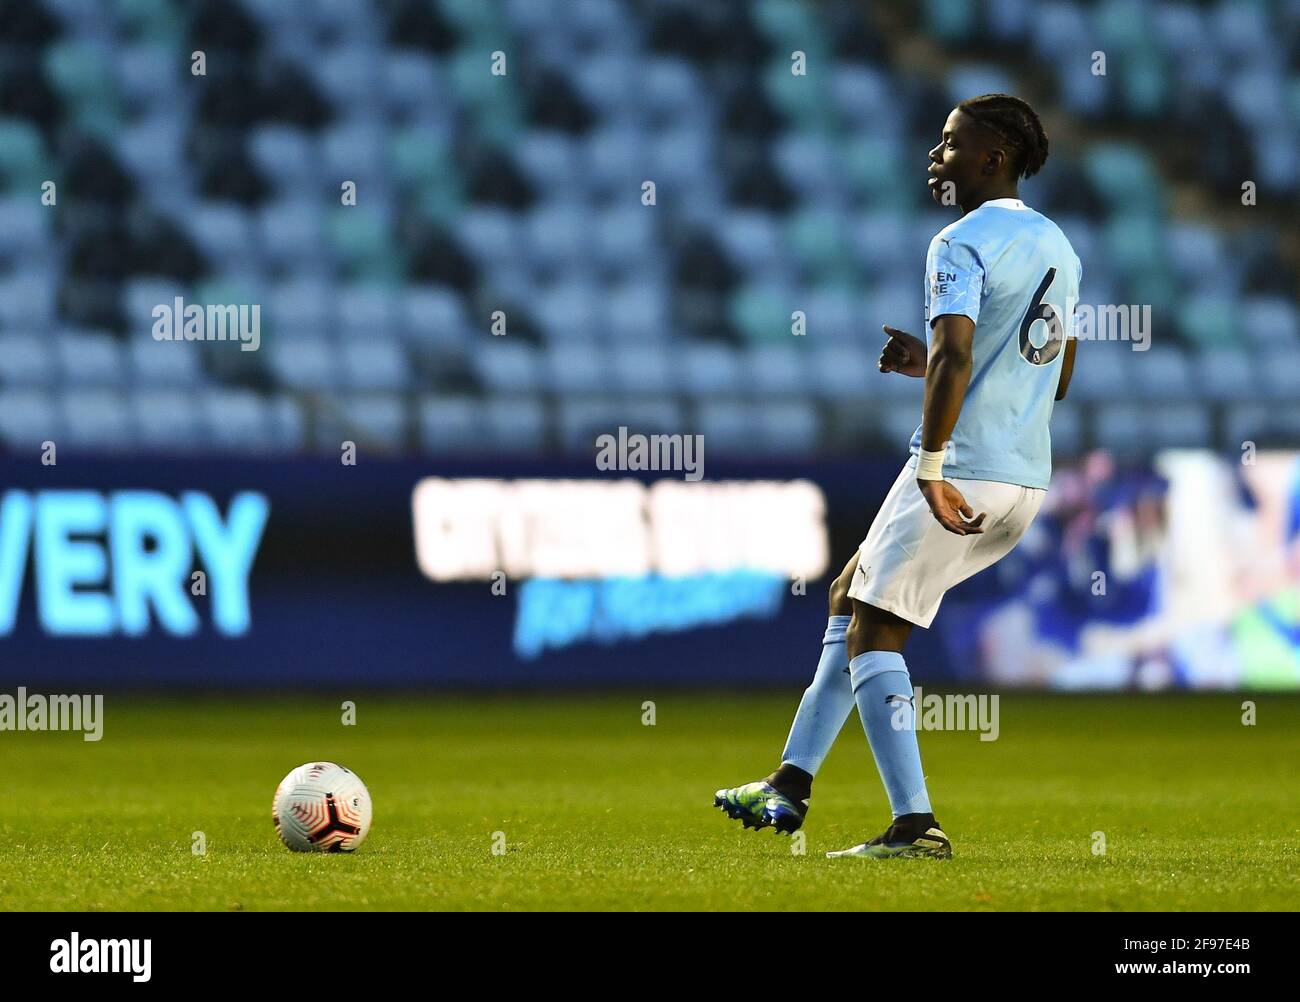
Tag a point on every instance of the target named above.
point(1124, 176)
point(820, 241)
point(364, 244)
point(872, 167)
point(1144, 83)
point(1209, 320)
point(81, 76)
point(950, 20)
point(804, 100)
point(151, 20)
point(23, 163)
point(481, 17)
point(760, 314)
point(1134, 241)
point(791, 23)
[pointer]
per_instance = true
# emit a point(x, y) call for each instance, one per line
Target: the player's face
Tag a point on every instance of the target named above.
point(960, 163)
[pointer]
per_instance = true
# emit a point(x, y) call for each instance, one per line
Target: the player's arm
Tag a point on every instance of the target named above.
point(903, 353)
point(946, 379)
point(1067, 368)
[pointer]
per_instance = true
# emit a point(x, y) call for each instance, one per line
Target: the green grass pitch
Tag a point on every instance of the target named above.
point(599, 811)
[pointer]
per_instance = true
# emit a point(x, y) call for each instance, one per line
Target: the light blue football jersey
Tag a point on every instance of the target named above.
point(1012, 271)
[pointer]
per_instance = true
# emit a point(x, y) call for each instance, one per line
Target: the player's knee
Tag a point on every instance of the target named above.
point(840, 603)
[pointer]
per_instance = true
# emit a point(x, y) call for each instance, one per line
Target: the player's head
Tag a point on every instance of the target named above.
point(988, 143)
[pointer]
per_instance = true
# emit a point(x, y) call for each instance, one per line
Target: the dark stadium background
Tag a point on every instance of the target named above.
point(522, 193)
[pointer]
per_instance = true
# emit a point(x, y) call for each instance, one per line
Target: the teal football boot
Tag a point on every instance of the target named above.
point(761, 805)
point(910, 836)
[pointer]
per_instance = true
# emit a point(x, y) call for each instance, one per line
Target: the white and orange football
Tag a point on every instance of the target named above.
point(322, 807)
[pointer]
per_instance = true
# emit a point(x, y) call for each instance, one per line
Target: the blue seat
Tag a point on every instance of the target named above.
point(549, 159)
point(582, 420)
point(751, 238)
point(96, 419)
point(558, 234)
point(304, 363)
point(710, 370)
point(153, 148)
point(833, 315)
point(789, 427)
point(287, 157)
point(730, 427)
point(1067, 430)
point(290, 230)
point(679, 161)
point(90, 358)
point(576, 367)
point(516, 424)
point(237, 420)
point(842, 371)
point(1270, 321)
point(616, 159)
point(435, 314)
point(864, 96)
point(808, 161)
point(348, 73)
point(413, 80)
point(147, 73)
point(671, 88)
point(354, 151)
point(637, 311)
point(372, 421)
point(451, 424)
point(28, 418)
point(1280, 374)
point(1104, 371)
point(508, 366)
point(27, 298)
point(570, 310)
point(164, 363)
point(777, 369)
point(1226, 374)
point(489, 234)
point(26, 360)
point(1162, 373)
point(365, 311)
point(608, 81)
point(167, 420)
point(24, 229)
point(301, 306)
point(624, 237)
point(644, 369)
point(223, 231)
point(376, 364)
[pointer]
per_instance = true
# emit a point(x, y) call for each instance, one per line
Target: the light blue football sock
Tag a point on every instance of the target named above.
point(883, 692)
point(826, 703)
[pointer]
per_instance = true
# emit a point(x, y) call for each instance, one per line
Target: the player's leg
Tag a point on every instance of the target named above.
point(882, 689)
point(906, 564)
point(781, 799)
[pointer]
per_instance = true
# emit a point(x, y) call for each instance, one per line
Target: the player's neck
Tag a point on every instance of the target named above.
point(994, 191)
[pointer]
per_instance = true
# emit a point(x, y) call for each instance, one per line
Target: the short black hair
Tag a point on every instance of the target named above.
point(1015, 123)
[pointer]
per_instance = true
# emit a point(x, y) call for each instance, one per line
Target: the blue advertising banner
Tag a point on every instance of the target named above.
point(246, 574)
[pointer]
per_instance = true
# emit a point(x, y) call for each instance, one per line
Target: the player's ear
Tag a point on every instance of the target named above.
point(993, 161)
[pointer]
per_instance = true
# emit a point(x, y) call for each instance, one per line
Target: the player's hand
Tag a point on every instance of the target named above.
point(950, 508)
point(903, 353)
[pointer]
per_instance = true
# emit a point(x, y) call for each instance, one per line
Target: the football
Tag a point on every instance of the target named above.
point(322, 807)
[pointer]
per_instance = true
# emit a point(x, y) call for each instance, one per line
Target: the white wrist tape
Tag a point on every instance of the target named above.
point(929, 465)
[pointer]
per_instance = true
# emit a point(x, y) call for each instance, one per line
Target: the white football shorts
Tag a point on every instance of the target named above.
point(909, 560)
